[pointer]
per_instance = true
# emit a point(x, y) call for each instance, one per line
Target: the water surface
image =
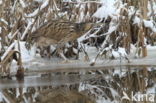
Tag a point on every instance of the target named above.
point(101, 85)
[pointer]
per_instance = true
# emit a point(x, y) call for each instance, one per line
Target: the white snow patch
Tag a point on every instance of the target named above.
point(81, 87)
point(0, 29)
point(92, 61)
point(4, 98)
point(100, 99)
point(4, 21)
point(68, 0)
point(149, 47)
point(22, 3)
point(117, 72)
point(122, 51)
point(133, 48)
point(115, 54)
point(91, 51)
point(136, 20)
point(17, 92)
point(34, 13)
point(151, 90)
point(44, 4)
point(119, 53)
point(131, 10)
point(39, 0)
point(149, 24)
point(107, 9)
point(26, 30)
point(75, 50)
point(0, 46)
point(52, 48)
point(8, 50)
point(112, 28)
point(25, 54)
point(1, 2)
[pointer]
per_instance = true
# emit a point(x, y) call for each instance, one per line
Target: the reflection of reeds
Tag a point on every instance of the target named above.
point(106, 84)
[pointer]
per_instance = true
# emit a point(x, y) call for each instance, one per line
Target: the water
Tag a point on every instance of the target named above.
point(101, 85)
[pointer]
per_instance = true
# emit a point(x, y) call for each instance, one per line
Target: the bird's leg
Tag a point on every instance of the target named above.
point(63, 56)
point(60, 52)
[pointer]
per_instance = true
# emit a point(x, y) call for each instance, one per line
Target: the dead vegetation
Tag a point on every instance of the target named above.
point(108, 84)
point(19, 18)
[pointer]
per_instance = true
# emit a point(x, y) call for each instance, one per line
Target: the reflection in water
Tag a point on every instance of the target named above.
point(90, 86)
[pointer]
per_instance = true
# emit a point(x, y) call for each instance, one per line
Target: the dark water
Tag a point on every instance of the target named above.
point(102, 85)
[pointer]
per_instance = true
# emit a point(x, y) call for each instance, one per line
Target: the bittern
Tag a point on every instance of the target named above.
point(59, 32)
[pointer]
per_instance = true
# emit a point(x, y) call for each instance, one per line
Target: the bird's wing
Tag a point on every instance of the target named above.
point(60, 30)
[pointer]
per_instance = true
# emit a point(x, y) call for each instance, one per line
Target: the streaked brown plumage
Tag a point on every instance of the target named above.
point(58, 32)
point(55, 32)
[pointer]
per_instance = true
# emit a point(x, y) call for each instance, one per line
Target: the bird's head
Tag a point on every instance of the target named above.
point(84, 27)
point(88, 26)
point(30, 40)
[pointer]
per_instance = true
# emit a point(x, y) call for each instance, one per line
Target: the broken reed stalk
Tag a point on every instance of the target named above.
point(86, 54)
point(19, 59)
point(26, 31)
point(20, 71)
point(152, 9)
point(8, 50)
point(13, 36)
point(143, 8)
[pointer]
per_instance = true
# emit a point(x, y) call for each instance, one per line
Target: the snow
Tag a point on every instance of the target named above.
point(107, 9)
point(151, 90)
point(93, 61)
point(81, 17)
point(136, 20)
point(14, 7)
point(103, 100)
point(68, 0)
point(44, 4)
point(22, 3)
point(151, 47)
point(4, 21)
point(150, 24)
point(75, 50)
point(8, 50)
point(26, 30)
point(115, 54)
point(34, 13)
point(17, 92)
point(0, 29)
point(112, 28)
point(147, 23)
point(149, 8)
point(26, 54)
point(0, 45)
point(2, 97)
point(38, 9)
point(99, 99)
point(119, 53)
point(39, 0)
point(1, 2)
point(122, 51)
